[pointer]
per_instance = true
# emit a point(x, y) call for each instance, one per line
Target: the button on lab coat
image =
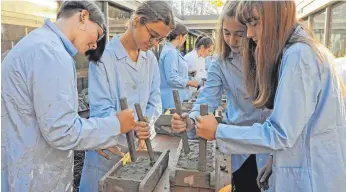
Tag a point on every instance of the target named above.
point(174, 75)
point(115, 77)
point(40, 126)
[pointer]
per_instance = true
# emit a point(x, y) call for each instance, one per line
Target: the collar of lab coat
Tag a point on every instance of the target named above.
point(170, 45)
point(194, 52)
point(235, 60)
point(70, 48)
point(119, 50)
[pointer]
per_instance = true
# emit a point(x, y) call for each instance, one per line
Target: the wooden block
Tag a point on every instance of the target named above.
point(173, 110)
point(164, 120)
point(189, 189)
point(187, 105)
point(154, 175)
point(192, 178)
point(188, 178)
point(166, 130)
point(111, 183)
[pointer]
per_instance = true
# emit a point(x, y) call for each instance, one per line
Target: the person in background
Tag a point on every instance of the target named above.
point(290, 72)
point(128, 69)
point(225, 75)
point(204, 46)
point(39, 105)
point(174, 69)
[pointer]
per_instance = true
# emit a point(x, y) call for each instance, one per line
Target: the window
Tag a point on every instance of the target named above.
point(118, 13)
point(118, 19)
point(338, 30)
point(18, 18)
point(318, 26)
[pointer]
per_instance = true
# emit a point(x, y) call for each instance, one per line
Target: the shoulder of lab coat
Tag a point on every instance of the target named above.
point(52, 84)
point(191, 58)
point(169, 60)
point(299, 85)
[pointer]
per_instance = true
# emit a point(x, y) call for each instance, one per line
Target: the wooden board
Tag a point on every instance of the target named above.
point(150, 180)
point(190, 189)
point(111, 183)
point(173, 110)
point(163, 142)
point(189, 178)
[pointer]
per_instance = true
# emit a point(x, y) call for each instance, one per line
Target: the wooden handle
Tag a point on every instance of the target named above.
point(147, 141)
point(130, 135)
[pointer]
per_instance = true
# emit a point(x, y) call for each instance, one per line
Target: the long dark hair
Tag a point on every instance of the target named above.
point(180, 29)
point(228, 10)
point(204, 40)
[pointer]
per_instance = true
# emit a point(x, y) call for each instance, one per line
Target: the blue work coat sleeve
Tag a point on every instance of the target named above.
point(55, 104)
point(299, 86)
point(154, 106)
point(211, 93)
point(171, 70)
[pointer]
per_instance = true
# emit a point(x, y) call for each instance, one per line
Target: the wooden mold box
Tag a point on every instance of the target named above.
point(112, 182)
point(191, 180)
point(163, 125)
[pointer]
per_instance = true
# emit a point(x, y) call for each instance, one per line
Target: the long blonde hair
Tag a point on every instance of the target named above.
point(229, 10)
point(261, 61)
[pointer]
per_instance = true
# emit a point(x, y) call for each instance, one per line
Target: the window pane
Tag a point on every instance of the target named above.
point(18, 18)
point(118, 19)
point(338, 30)
point(318, 26)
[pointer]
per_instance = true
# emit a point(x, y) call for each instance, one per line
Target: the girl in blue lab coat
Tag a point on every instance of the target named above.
point(127, 69)
point(294, 75)
point(225, 74)
point(196, 60)
point(174, 69)
point(40, 125)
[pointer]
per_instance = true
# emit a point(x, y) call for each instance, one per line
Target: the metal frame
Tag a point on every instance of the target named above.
point(328, 8)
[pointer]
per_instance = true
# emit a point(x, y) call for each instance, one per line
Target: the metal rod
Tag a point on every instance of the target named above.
point(202, 156)
point(129, 135)
point(147, 141)
point(179, 111)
